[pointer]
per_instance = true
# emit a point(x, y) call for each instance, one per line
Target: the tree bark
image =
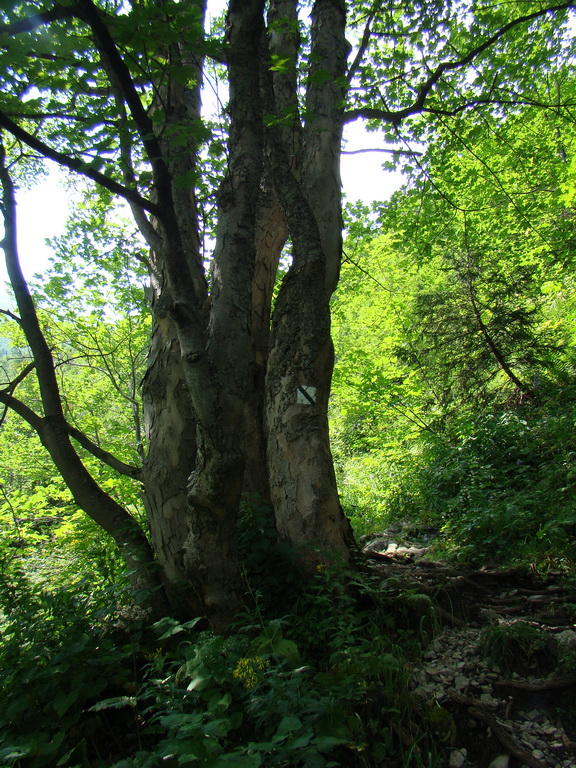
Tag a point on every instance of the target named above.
point(171, 440)
point(232, 398)
point(170, 419)
point(216, 483)
point(271, 235)
point(303, 483)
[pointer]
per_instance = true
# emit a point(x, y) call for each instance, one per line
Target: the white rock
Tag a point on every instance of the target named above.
point(457, 758)
point(567, 638)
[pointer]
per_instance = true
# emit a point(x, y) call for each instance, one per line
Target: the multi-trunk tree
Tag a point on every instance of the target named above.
point(238, 378)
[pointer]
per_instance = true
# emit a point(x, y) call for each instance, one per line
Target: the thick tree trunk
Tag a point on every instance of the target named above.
point(304, 492)
point(169, 413)
point(216, 483)
point(303, 484)
point(232, 399)
point(171, 439)
point(271, 235)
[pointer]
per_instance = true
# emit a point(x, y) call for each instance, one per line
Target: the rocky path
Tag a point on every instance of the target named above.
point(499, 678)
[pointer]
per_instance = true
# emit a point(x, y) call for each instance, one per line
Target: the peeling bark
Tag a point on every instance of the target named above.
point(303, 484)
point(171, 439)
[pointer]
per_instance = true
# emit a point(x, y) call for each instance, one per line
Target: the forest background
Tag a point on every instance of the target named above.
point(453, 407)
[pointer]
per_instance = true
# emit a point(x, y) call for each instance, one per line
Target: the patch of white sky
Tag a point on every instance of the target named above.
point(44, 208)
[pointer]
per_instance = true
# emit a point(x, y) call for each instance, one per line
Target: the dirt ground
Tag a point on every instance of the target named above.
point(501, 699)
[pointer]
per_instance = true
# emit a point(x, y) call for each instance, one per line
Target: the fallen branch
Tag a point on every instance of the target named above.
point(551, 684)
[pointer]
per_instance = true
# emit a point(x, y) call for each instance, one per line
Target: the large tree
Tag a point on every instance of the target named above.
point(238, 378)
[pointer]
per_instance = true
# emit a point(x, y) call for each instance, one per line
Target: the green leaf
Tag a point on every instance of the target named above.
point(288, 724)
point(118, 702)
point(242, 760)
point(279, 63)
point(62, 702)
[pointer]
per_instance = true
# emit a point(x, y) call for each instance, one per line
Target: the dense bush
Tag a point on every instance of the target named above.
point(325, 685)
point(501, 489)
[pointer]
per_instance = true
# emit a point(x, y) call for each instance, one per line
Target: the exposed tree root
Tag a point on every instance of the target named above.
point(479, 711)
point(550, 684)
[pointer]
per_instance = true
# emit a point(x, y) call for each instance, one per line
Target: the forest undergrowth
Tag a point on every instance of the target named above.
point(316, 673)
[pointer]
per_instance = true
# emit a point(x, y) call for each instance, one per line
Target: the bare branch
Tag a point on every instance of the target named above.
point(125, 83)
point(19, 378)
point(16, 405)
point(143, 223)
point(38, 423)
point(11, 315)
point(406, 152)
point(353, 68)
point(105, 456)
point(76, 165)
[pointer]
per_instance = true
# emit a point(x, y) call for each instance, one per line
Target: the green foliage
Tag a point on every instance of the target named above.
point(455, 406)
point(513, 647)
point(326, 685)
point(504, 490)
point(53, 665)
point(272, 576)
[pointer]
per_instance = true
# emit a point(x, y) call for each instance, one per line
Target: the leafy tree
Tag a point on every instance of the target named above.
point(237, 385)
point(454, 406)
point(495, 257)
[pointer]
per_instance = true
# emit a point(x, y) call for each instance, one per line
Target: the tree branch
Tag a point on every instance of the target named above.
point(11, 315)
point(37, 423)
point(19, 378)
point(142, 222)
point(33, 22)
point(76, 165)
point(119, 70)
point(23, 410)
point(418, 105)
point(364, 43)
point(105, 456)
point(406, 152)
